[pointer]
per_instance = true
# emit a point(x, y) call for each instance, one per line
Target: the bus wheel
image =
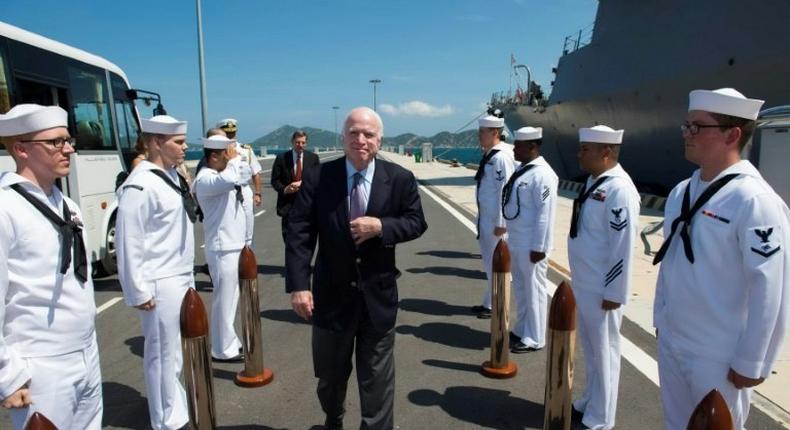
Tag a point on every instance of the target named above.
point(109, 261)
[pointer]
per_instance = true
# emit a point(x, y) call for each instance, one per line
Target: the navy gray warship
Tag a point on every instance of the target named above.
point(635, 73)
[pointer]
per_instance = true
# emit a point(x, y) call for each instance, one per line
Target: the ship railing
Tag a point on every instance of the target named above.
point(577, 40)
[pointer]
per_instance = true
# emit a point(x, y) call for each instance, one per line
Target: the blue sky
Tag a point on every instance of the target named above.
point(270, 63)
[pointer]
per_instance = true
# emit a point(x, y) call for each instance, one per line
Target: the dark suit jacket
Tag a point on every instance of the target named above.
point(283, 174)
point(344, 272)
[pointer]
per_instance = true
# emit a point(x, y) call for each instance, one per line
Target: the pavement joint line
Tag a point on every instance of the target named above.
point(108, 304)
point(642, 361)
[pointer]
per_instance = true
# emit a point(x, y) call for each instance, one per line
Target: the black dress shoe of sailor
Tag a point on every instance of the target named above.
point(576, 416)
point(237, 359)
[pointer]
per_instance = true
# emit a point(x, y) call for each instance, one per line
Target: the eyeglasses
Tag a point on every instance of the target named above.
point(694, 129)
point(56, 143)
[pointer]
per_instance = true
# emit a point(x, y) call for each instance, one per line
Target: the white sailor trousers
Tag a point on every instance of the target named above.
point(488, 242)
point(529, 289)
point(687, 378)
point(162, 357)
point(599, 332)
point(66, 389)
point(249, 216)
point(224, 269)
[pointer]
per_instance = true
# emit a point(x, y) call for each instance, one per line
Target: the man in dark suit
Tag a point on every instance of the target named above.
point(287, 173)
point(358, 208)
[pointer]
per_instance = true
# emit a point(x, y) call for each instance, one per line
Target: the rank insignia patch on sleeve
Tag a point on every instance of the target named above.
point(762, 242)
point(619, 221)
point(546, 193)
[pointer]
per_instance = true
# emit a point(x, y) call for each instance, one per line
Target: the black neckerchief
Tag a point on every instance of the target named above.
point(579, 201)
point(685, 217)
point(481, 172)
point(508, 189)
point(70, 231)
point(186, 197)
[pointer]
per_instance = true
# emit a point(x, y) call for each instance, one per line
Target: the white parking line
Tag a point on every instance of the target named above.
point(107, 304)
point(640, 359)
point(260, 213)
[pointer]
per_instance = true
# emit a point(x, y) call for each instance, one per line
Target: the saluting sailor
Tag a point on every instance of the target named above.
point(529, 202)
point(49, 360)
point(156, 253)
point(723, 290)
point(247, 154)
point(600, 250)
point(218, 190)
point(495, 168)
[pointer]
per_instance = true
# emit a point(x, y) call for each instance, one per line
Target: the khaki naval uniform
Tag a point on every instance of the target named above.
point(489, 203)
point(156, 253)
point(247, 155)
point(47, 317)
point(729, 308)
point(530, 213)
point(601, 258)
point(224, 231)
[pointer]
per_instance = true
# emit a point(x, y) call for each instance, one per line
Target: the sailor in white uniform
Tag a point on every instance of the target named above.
point(600, 250)
point(529, 202)
point(217, 187)
point(495, 168)
point(49, 360)
point(247, 155)
point(156, 250)
point(723, 291)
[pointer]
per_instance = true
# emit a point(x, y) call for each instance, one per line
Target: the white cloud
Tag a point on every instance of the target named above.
point(417, 108)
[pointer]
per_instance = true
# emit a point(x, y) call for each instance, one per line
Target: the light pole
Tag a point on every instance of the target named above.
point(374, 82)
point(334, 109)
point(201, 63)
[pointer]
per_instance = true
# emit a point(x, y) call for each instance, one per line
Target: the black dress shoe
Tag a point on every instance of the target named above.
point(514, 339)
point(576, 416)
point(333, 424)
point(578, 426)
point(481, 311)
point(237, 359)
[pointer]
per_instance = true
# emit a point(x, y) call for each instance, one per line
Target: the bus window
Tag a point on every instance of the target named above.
point(125, 117)
point(5, 98)
point(90, 109)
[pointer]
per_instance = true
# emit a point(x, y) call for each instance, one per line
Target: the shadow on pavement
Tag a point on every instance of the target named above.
point(453, 335)
point(450, 254)
point(433, 307)
point(452, 365)
point(483, 407)
point(136, 345)
point(283, 315)
point(265, 269)
point(106, 285)
point(449, 180)
point(124, 407)
point(225, 374)
point(449, 271)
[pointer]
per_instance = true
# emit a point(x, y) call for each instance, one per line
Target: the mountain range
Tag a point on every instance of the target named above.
point(318, 138)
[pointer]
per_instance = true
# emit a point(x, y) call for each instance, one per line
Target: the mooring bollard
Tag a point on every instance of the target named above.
point(559, 361)
point(197, 362)
point(38, 421)
point(711, 413)
point(254, 374)
point(499, 366)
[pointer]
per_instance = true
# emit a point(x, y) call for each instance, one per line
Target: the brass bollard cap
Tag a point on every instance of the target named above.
point(562, 314)
point(711, 414)
point(39, 422)
point(248, 266)
point(501, 260)
point(194, 321)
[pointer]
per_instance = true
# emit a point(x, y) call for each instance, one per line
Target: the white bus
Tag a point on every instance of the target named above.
point(102, 117)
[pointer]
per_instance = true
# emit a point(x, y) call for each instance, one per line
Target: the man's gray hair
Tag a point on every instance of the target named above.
point(369, 111)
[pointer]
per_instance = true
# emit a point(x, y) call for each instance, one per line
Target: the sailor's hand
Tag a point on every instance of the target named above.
point(364, 228)
point(302, 304)
point(257, 199)
point(609, 305)
point(741, 381)
point(231, 152)
point(499, 231)
point(535, 256)
point(19, 399)
point(147, 306)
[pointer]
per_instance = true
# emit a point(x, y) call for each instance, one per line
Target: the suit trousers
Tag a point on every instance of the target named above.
point(224, 269)
point(685, 380)
point(599, 332)
point(529, 289)
point(66, 389)
point(374, 353)
point(162, 357)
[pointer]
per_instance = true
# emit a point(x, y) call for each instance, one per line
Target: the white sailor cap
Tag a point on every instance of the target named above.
point(163, 124)
point(217, 142)
point(727, 101)
point(227, 124)
point(490, 121)
point(30, 118)
point(529, 133)
point(601, 134)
